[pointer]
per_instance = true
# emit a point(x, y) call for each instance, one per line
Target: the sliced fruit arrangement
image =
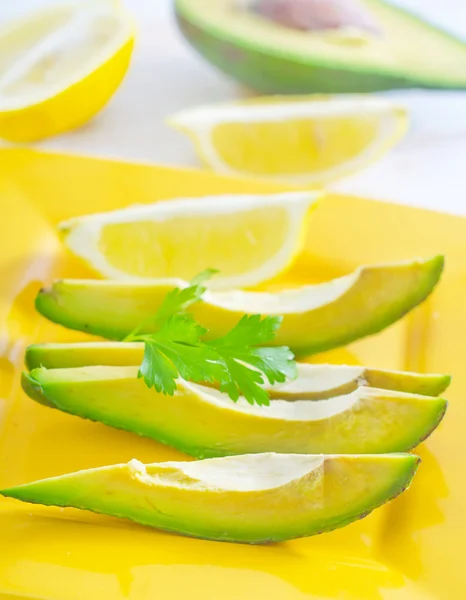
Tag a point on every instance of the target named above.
point(251, 498)
point(331, 425)
point(315, 317)
point(314, 382)
point(60, 66)
point(204, 422)
point(249, 239)
point(334, 46)
point(308, 140)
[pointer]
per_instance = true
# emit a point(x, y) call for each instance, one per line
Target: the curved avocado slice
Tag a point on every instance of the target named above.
point(316, 317)
point(273, 58)
point(314, 382)
point(204, 422)
point(251, 498)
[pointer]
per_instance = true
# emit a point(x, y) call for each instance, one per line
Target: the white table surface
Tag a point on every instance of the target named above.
point(428, 168)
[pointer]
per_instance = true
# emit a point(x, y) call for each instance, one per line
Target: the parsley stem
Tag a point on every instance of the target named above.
point(134, 335)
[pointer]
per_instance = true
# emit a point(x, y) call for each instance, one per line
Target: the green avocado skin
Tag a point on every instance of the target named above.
point(281, 75)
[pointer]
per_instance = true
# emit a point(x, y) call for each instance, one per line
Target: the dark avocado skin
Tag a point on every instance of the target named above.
point(279, 75)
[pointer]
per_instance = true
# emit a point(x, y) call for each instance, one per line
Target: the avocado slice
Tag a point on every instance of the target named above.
point(272, 56)
point(316, 317)
point(204, 422)
point(251, 498)
point(314, 382)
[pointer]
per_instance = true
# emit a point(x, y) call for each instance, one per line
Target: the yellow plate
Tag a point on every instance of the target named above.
point(412, 549)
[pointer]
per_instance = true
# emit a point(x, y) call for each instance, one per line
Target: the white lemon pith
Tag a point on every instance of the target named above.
point(60, 66)
point(306, 140)
point(249, 239)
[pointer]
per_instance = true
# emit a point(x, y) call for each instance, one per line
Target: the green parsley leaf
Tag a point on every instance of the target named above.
point(238, 352)
point(179, 340)
point(277, 364)
point(182, 328)
point(176, 301)
point(241, 380)
point(235, 362)
point(157, 370)
point(251, 330)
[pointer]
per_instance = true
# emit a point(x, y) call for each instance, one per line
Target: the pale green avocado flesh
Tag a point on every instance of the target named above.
point(326, 316)
point(203, 422)
point(274, 58)
point(251, 498)
point(314, 382)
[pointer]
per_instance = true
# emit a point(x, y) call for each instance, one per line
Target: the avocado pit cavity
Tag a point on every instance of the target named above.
point(317, 15)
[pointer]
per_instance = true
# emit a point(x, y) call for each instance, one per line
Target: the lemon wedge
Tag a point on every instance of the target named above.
point(249, 239)
point(306, 140)
point(60, 66)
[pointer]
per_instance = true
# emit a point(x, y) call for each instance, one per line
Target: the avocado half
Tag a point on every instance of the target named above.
point(205, 423)
point(407, 51)
point(251, 498)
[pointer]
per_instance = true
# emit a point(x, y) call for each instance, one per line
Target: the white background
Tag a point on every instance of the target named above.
point(427, 169)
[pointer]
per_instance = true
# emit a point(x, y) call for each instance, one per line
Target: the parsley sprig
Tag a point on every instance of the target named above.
point(236, 362)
